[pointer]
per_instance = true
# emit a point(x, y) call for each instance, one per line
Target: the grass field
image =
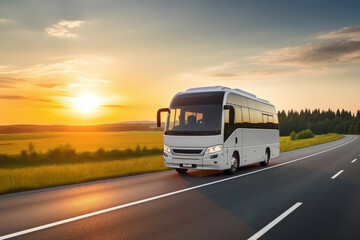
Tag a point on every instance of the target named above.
point(19, 179)
point(20, 175)
point(81, 141)
point(286, 144)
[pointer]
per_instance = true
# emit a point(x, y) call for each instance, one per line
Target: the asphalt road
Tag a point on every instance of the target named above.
point(301, 195)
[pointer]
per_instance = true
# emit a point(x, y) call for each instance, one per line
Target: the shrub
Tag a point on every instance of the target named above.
point(304, 134)
point(293, 135)
point(31, 148)
point(62, 152)
point(4, 157)
point(24, 154)
point(100, 152)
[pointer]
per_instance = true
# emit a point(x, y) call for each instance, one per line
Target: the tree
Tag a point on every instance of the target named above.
point(357, 127)
point(293, 135)
point(351, 129)
point(319, 122)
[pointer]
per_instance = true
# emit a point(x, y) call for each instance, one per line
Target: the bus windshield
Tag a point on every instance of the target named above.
point(194, 120)
point(195, 114)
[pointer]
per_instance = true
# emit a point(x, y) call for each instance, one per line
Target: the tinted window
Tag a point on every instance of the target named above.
point(260, 106)
point(238, 115)
point(254, 104)
point(276, 121)
point(255, 116)
point(271, 119)
point(268, 108)
point(245, 114)
point(265, 118)
point(236, 100)
point(194, 120)
point(202, 98)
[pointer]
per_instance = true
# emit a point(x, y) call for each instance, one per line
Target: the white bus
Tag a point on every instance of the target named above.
point(219, 128)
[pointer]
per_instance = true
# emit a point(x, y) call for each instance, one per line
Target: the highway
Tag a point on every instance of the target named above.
point(309, 193)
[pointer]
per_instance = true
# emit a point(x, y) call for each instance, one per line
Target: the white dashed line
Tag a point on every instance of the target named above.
point(354, 160)
point(274, 222)
point(91, 214)
point(340, 172)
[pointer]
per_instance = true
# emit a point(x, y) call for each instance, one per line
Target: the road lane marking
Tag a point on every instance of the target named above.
point(340, 172)
point(274, 222)
point(57, 223)
point(354, 160)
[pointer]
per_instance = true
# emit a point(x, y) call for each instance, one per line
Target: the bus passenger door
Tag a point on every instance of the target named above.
point(239, 144)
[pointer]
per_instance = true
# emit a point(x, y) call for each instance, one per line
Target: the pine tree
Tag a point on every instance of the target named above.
point(319, 122)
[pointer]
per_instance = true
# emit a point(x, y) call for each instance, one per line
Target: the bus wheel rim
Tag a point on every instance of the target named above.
point(233, 163)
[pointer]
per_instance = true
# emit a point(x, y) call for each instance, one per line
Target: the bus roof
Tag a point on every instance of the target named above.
point(226, 89)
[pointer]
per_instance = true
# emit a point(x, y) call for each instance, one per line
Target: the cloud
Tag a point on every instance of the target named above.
point(39, 73)
point(63, 29)
point(224, 75)
point(42, 100)
point(316, 53)
point(220, 73)
point(61, 67)
point(56, 74)
point(57, 106)
point(12, 97)
point(332, 51)
point(50, 84)
point(18, 97)
point(112, 106)
point(234, 71)
point(250, 74)
point(3, 20)
point(346, 32)
point(221, 67)
point(93, 80)
point(8, 82)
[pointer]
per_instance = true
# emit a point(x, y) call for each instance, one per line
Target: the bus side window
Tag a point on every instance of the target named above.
point(265, 118)
point(172, 122)
point(245, 115)
point(226, 116)
point(238, 115)
point(276, 121)
point(255, 116)
point(271, 119)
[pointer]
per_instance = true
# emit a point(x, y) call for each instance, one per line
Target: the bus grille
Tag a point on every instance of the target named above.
point(187, 151)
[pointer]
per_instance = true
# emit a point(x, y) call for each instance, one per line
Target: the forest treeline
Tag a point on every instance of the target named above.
point(319, 122)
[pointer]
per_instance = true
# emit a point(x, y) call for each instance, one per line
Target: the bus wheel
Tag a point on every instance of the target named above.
point(181, 170)
point(234, 165)
point(267, 158)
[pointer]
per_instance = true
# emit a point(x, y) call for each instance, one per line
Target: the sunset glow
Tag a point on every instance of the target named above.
point(87, 103)
point(138, 55)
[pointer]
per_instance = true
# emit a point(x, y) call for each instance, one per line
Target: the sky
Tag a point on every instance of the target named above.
point(91, 62)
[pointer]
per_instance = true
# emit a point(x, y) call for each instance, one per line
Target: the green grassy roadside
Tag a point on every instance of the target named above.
point(48, 175)
point(286, 144)
point(20, 179)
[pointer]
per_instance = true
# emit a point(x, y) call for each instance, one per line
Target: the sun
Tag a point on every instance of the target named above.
point(87, 103)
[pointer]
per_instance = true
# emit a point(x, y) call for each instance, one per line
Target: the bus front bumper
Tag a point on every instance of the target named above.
point(214, 161)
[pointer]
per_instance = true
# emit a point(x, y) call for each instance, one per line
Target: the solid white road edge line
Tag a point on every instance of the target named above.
point(340, 172)
point(354, 160)
point(53, 224)
point(274, 222)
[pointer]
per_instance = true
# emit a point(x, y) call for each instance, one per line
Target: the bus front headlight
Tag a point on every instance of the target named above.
point(167, 149)
point(214, 149)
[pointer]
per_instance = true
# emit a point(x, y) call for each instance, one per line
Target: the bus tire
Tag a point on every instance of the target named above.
point(267, 158)
point(234, 165)
point(181, 170)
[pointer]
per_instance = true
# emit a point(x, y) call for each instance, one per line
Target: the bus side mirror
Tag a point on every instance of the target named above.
point(231, 113)
point(159, 115)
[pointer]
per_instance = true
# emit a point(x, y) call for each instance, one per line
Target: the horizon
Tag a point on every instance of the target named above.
point(353, 114)
point(77, 63)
